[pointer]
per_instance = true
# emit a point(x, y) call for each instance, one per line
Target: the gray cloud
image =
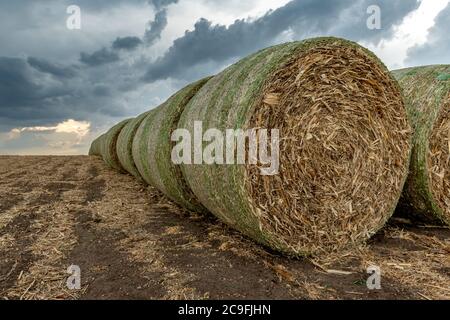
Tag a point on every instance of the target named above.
point(156, 27)
point(16, 86)
point(126, 43)
point(161, 4)
point(102, 91)
point(99, 57)
point(437, 48)
point(56, 70)
point(217, 43)
point(129, 43)
point(102, 5)
point(28, 97)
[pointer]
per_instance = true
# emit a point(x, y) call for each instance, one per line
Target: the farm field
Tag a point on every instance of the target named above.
point(130, 242)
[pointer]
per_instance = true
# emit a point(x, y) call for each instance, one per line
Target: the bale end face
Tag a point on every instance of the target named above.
point(344, 145)
point(344, 150)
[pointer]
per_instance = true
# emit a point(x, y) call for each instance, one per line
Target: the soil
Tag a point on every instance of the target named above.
point(130, 242)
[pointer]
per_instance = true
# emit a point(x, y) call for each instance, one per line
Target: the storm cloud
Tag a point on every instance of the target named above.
point(54, 69)
point(304, 18)
point(126, 43)
point(156, 27)
point(99, 57)
point(161, 4)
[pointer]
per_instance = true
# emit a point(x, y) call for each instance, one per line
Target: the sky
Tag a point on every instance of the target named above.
point(62, 83)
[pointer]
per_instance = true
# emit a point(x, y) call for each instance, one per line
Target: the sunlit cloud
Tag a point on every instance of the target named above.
point(78, 128)
point(411, 32)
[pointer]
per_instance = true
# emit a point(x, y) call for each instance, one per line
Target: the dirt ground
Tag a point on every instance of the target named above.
point(132, 243)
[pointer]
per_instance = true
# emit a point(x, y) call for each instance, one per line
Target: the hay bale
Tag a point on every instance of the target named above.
point(95, 149)
point(108, 147)
point(344, 149)
point(152, 148)
point(427, 191)
point(125, 145)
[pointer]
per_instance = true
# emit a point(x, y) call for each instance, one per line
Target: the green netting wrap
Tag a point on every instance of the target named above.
point(108, 146)
point(95, 149)
point(152, 148)
point(344, 145)
point(125, 145)
point(427, 192)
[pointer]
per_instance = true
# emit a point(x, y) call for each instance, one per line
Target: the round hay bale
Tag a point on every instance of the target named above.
point(95, 149)
point(426, 195)
point(125, 145)
point(344, 145)
point(152, 148)
point(108, 146)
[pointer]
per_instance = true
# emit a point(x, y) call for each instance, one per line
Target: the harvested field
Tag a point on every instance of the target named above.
point(132, 243)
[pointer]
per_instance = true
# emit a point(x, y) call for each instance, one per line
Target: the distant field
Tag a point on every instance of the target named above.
point(132, 243)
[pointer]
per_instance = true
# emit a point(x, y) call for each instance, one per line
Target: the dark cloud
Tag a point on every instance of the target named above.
point(126, 43)
point(437, 48)
point(25, 95)
point(156, 27)
point(160, 4)
point(151, 35)
point(304, 18)
point(102, 91)
point(16, 86)
point(56, 70)
point(102, 5)
point(100, 57)
point(30, 98)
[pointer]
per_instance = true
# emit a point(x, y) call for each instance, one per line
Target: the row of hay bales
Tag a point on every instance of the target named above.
point(345, 146)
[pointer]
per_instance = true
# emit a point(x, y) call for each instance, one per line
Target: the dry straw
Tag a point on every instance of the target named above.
point(427, 192)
